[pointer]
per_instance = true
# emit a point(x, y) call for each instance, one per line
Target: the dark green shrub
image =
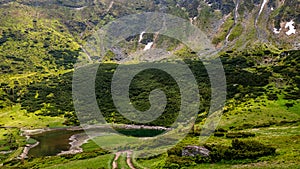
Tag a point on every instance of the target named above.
point(68, 156)
point(221, 130)
point(240, 135)
point(201, 159)
point(177, 150)
point(239, 150)
point(249, 149)
point(174, 161)
point(219, 134)
point(272, 96)
point(288, 105)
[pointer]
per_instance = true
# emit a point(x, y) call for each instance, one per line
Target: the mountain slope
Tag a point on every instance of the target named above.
point(41, 40)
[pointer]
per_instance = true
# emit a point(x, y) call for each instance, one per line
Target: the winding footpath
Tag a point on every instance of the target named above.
point(128, 160)
point(115, 164)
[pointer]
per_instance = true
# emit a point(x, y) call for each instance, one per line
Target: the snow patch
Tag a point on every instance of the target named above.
point(262, 7)
point(148, 46)
point(291, 27)
point(81, 8)
point(141, 36)
point(208, 3)
point(236, 13)
point(276, 31)
point(110, 6)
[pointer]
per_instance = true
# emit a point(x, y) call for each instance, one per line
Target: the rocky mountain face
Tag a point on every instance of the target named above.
point(241, 23)
point(229, 24)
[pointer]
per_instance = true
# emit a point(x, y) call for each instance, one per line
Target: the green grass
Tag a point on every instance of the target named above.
point(122, 164)
point(286, 140)
point(98, 162)
point(256, 112)
point(16, 117)
point(5, 148)
point(31, 141)
point(12, 141)
point(236, 32)
point(149, 163)
point(3, 134)
point(90, 146)
point(111, 142)
point(211, 166)
point(223, 31)
point(285, 137)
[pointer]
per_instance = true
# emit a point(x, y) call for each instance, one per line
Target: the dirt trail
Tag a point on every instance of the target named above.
point(128, 160)
point(115, 164)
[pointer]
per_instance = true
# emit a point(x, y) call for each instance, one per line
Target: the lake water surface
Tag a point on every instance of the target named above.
point(52, 143)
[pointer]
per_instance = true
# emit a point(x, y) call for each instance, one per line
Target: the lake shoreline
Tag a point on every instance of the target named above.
point(26, 150)
point(27, 132)
point(77, 140)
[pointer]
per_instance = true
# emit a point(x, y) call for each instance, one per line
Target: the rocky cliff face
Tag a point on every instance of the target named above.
point(230, 24)
point(240, 23)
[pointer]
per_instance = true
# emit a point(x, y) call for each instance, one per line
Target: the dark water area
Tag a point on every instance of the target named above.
point(52, 143)
point(140, 132)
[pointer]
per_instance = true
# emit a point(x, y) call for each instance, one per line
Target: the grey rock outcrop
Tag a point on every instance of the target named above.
point(192, 151)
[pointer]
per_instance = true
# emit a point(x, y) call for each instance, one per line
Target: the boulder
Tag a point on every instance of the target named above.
point(192, 151)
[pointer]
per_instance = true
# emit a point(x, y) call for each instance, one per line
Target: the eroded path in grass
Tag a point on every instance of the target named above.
point(128, 154)
point(129, 162)
point(115, 164)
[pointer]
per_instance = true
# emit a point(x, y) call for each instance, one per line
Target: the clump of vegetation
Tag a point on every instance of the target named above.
point(220, 37)
point(239, 135)
point(236, 32)
point(239, 150)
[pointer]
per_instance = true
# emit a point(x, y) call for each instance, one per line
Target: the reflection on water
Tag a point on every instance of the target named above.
point(51, 143)
point(140, 132)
